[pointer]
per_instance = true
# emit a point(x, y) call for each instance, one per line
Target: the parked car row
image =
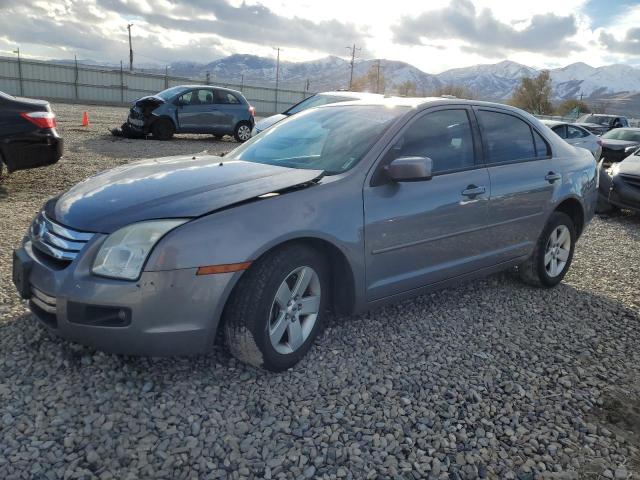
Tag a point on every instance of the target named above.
point(340, 207)
point(599, 124)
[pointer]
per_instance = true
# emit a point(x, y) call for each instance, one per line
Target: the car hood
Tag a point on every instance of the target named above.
point(172, 187)
point(630, 166)
point(617, 144)
point(267, 122)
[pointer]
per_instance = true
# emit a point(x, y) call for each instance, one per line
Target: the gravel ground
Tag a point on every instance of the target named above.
point(493, 379)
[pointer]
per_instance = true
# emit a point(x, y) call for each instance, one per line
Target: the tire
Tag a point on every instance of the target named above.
point(163, 129)
point(259, 329)
point(242, 132)
point(540, 273)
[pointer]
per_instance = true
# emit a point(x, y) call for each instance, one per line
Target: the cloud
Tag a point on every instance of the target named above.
point(246, 23)
point(199, 30)
point(630, 44)
point(483, 34)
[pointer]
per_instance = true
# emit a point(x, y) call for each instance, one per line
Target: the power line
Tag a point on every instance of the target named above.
point(353, 58)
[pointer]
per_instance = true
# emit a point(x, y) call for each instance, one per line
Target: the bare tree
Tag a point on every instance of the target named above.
point(408, 89)
point(573, 105)
point(534, 94)
point(372, 81)
point(458, 91)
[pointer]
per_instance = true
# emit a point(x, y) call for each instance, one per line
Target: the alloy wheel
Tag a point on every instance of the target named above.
point(244, 133)
point(294, 310)
point(557, 251)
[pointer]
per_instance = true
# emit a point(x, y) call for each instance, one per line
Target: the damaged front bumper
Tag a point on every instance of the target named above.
point(620, 190)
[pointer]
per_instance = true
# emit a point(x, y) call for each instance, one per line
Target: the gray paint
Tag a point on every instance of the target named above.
point(398, 239)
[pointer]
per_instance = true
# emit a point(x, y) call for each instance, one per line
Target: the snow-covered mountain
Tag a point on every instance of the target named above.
point(487, 81)
point(490, 81)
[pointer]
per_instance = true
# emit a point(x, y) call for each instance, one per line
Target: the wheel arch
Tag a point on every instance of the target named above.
point(343, 284)
point(575, 210)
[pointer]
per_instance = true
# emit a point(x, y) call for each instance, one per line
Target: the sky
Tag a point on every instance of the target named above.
point(434, 36)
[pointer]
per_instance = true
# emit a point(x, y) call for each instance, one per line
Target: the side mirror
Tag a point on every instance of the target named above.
point(410, 169)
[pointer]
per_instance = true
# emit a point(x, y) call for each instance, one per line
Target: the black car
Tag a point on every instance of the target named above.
point(620, 186)
point(599, 124)
point(28, 136)
point(619, 143)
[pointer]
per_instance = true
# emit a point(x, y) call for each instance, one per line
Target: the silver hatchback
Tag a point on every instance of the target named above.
point(342, 207)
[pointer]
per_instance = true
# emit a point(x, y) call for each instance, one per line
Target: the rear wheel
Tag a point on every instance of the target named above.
point(242, 132)
point(552, 254)
point(276, 310)
point(163, 129)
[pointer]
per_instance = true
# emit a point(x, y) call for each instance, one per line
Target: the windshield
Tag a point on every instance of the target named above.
point(331, 139)
point(593, 119)
point(315, 101)
point(622, 134)
point(169, 93)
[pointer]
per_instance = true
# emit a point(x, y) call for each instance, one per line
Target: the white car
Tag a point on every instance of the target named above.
point(576, 136)
point(316, 100)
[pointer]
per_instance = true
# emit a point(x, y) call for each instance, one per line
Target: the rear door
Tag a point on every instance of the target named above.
point(230, 110)
point(523, 177)
point(419, 233)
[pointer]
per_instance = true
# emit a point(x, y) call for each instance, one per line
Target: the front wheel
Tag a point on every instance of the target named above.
point(552, 254)
point(276, 310)
point(242, 132)
point(163, 129)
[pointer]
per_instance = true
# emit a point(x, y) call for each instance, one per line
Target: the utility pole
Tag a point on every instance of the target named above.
point(130, 48)
point(378, 76)
point(19, 70)
point(353, 59)
point(277, 76)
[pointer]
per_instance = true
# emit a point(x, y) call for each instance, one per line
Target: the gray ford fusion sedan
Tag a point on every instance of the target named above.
point(339, 208)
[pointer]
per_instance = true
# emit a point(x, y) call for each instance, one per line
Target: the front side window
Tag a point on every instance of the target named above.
point(575, 132)
point(443, 136)
point(332, 139)
point(508, 138)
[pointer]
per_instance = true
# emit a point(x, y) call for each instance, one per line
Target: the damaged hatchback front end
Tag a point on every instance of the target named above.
point(140, 119)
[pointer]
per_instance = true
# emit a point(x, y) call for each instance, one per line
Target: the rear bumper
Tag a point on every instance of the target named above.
point(32, 150)
point(162, 314)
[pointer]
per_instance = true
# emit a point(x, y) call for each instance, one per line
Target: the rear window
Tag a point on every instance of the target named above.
point(509, 138)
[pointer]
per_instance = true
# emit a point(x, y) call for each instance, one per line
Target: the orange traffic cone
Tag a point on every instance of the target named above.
point(85, 119)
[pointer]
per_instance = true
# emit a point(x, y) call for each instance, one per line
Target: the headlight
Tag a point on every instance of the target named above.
point(123, 253)
point(613, 169)
point(631, 149)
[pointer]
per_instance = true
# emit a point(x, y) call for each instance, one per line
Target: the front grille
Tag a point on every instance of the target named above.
point(631, 180)
point(61, 243)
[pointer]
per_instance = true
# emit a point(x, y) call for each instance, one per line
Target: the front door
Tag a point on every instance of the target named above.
point(197, 112)
point(419, 233)
point(523, 177)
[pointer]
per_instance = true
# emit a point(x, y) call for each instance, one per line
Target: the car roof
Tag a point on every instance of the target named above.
point(631, 129)
point(553, 123)
point(225, 89)
point(417, 102)
point(349, 94)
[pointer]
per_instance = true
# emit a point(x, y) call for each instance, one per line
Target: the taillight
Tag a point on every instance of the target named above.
point(41, 119)
point(252, 111)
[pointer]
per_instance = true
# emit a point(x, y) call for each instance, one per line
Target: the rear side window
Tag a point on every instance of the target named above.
point(508, 138)
point(444, 136)
point(542, 147)
point(561, 130)
point(226, 98)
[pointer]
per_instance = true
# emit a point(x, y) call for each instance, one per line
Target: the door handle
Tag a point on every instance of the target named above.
point(472, 191)
point(552, 177)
